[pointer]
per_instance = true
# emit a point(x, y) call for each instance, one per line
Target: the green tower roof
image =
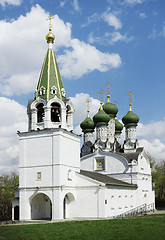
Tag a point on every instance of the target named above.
point(101, 118)
point(50, 81)
point(118, 126)
point(130, 119)
point(87, 125)
point(110, 108)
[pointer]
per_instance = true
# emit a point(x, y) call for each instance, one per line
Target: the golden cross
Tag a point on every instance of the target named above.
point(50, 17)
point(101, 95)
point(130, 97)
point(108, 88)
point(88, 101)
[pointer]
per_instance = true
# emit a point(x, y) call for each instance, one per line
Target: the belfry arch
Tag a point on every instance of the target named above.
point(41, 207)
point(55, 112)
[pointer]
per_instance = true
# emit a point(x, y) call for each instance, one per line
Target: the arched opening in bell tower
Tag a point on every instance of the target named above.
point(55, 112)
point(40, 112)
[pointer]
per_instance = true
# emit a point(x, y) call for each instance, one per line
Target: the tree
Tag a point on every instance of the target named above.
point(158, 175)
point(7, 182)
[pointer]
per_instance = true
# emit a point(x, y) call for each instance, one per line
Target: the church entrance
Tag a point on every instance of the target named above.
point(68, 206)
point(16, 213)
point(41, 207)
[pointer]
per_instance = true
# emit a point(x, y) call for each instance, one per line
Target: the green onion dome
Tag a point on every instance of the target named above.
point(87, 125)
point(110, 108)
point(101, 118)
point(130, 119)
point(118, 126)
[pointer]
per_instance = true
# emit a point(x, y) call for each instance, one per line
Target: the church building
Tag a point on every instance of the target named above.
point(57, 179)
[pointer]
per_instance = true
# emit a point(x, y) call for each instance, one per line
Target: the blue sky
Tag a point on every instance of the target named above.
point(116, 41)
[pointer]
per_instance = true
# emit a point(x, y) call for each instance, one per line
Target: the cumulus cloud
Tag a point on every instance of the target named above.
point(26, 45)
point(155, 148)
point(13, 118)
point(10, 2)
point(84, 58)
point(152, 130)
point(81, 113)
point(152, 137)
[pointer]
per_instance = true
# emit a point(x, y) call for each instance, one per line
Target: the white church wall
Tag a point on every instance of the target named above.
point(119, 200)
point(114, 163)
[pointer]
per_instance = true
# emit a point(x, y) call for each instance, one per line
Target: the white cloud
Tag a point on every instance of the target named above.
point(162, 33)
point(22, 59)
point(76, 5)
point(153, 138)
point(112, 20)
point(142, 15)
point(153, 34)
point(84, 58)
point(81, 113)
point(13, 118)
point(154, 147)
point(132, 2)
point(10, 2)
point(110, 38)
point(152, 130)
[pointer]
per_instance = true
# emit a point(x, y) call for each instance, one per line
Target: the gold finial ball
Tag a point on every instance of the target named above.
point(50, 37)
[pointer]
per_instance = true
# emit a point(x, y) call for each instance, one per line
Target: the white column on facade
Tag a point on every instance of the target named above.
point(63, 117)
point(131, 133)
point(101, 133)
point(47, 119)
point(70, 120)
point(34, 119)
point(88, 137)
point(111, 130)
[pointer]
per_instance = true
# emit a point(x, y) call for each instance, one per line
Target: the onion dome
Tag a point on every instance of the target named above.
point(101, 118)
point(130, 119)
point(110, 108)
point(87, 125)
point(118, 126)
point(50, 37)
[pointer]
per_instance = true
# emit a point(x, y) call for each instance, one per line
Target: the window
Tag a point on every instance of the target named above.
point(55, 112)
point(100, 164)
point(40, 112)
point(38, 176)
point(42, 91)
point(53, 90)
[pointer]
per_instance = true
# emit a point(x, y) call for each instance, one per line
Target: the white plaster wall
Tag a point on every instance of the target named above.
point(119, 200)
point(114, 163)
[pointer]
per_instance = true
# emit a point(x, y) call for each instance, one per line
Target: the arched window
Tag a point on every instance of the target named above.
point(55, 112)
point(40, 112)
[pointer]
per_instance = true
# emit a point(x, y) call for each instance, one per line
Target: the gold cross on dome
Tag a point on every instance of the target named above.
point(108, 88)
point(101, 95)
point(130, 97)
point(50, 17)
point(88, 101)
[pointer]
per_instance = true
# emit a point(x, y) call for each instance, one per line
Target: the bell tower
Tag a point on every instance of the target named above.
point(49, 151)
point(50, 108)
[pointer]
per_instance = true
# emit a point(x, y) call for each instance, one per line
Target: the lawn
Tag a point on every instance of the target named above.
point(145, 228)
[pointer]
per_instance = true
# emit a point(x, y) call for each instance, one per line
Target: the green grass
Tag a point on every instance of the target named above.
point(145, 228)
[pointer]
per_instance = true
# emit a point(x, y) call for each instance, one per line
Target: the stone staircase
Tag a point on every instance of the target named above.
point(138, 211)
